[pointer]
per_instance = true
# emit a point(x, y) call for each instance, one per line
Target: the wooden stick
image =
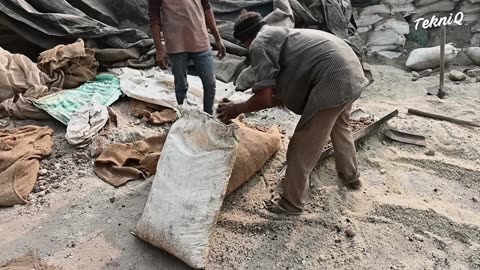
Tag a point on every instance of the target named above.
point(426, 74)
point(443, 118)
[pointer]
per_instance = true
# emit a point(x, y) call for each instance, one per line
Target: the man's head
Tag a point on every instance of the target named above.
point(247, 26)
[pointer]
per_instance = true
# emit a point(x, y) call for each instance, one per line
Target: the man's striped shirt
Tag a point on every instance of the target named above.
point(310, 70)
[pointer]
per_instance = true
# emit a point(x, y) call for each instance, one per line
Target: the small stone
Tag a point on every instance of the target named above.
point(415, 74)
point(41, 194)
point(42, 188)
point(456, 75)
point(54, 176)
point(42, 172)
point(383, 171)
point(475, 199)
point(430, 153)
point(478, 79)
point(57, 166)
point(350, 232)
point(83, 156)
point(322, 258)
point(435, 190)
point(418, 237)
point(42, 182)
point(112, 199)
point(474, 72)
point(56, 186)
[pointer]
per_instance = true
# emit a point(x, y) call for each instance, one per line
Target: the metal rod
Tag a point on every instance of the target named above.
point(443, 38)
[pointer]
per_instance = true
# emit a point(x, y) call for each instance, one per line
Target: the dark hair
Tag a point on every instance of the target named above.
point(247, 25)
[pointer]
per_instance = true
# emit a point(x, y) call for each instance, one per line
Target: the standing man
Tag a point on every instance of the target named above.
point(184, 26)
point(316, 75)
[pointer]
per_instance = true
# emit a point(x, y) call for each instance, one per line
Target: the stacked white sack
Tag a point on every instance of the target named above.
point(384, 24)
point(426, 9)
point(475, 40)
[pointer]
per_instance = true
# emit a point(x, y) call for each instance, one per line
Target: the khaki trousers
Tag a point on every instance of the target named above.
point(306, 146)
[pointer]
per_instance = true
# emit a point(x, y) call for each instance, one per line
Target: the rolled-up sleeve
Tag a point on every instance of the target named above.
point(266, 67)
point(154, 11)
point(206, 5)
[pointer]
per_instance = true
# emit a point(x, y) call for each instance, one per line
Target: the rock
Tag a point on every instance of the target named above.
point(56, 186)
point(383, 171)
point(83, 156)
point(415, 74)
point(456, 75)
point(57, 166)
point(54, 176)
point(42, 182)
point(475, 199)
point(474, 72)
point(112, 199)
point(478, 79)
point(42, 188)
point(350, 232)
point(418, 237)
point(42, 172)
point(41, 194)
point(322, 258)
point(430, 153)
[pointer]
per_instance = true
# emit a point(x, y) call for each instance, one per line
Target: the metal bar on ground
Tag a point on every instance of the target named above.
point(443, 118)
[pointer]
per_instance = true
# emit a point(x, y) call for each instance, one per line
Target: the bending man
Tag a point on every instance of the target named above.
point(184, 26)
point(314, 74)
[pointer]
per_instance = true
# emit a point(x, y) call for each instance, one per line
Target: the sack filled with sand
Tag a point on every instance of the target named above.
point(473, 53)
point(254, 149)
point(189, 187)
point(385, 37)
point(425, 58)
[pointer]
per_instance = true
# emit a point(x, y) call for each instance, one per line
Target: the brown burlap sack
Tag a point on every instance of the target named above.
point(73, 64)
point(152, 113)
point(120, 163)
point(20, 152)
point(254, 149)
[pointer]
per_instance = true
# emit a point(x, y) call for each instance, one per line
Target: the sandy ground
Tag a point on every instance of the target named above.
point(416, 211)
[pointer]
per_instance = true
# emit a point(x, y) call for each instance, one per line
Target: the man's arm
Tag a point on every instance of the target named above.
point(212, 26)
point(155, 26)
point(262, 99)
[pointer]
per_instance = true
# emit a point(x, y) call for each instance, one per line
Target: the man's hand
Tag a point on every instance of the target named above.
point(227, 111)
point(222, 51)
point(162, 59)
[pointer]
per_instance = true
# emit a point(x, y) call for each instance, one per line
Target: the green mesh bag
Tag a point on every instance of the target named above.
point(419, 36)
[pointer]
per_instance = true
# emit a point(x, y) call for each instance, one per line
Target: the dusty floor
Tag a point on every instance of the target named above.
point(415, 211)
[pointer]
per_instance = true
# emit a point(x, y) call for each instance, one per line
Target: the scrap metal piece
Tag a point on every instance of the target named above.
point(404, 137)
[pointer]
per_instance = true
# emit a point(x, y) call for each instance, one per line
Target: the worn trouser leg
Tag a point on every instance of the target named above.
point(206, 71)
point(304, 151)
point(179, 62)
point(344, 146)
